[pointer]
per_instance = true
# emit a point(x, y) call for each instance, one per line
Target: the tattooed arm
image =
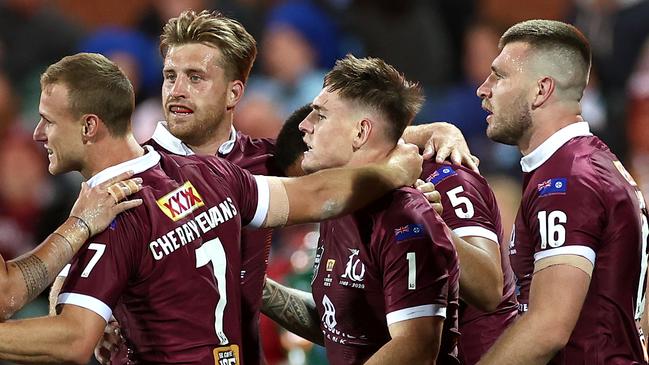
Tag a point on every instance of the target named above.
point(22, 279)
point(292, 309)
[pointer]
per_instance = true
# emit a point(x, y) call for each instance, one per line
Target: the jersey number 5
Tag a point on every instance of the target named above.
point(465, 212)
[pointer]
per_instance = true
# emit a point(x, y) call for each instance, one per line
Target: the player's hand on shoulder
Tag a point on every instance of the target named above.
point(109, 343)
point(406, 161)
point(447, 142)
point(96, 207)
point(433, 196)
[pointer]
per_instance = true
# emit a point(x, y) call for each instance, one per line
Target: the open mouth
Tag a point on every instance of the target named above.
point(487, 108)
point(49, 150)
point(180, 109)
point(308, 146)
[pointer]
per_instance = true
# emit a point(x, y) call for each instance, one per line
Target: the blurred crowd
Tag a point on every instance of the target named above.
point(447, 45)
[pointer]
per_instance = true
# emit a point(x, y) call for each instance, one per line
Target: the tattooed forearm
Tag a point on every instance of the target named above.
point(35, 275)
point(293, 309)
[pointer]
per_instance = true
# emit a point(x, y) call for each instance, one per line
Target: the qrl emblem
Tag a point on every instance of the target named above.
point(180, 202)
point(352, 270)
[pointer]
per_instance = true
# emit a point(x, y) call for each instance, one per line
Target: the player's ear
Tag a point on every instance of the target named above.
point(363, 131)
point(235, 93)
point(544, 90)
point(89, 126)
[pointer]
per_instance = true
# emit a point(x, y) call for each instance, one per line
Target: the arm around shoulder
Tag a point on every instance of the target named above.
point(334, 192)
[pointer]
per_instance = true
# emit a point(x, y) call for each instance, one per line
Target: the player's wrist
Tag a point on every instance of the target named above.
point(82, 223)
point(75, 231)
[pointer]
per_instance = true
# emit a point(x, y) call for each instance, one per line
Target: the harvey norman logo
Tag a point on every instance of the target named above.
point(180, 202)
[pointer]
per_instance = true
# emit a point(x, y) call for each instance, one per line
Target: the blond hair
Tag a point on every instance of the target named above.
point(213, 29)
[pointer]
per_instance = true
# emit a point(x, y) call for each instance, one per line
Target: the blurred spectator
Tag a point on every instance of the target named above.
point(33, 34)
point(409, 34)
point(508, 12)
point(617, 29)
point(249, 12)
point(97, 13)
point(138, 56)
point(299, 45)
point(30, 208)
point(152, 20)
point(460, 105)
point(638, 120)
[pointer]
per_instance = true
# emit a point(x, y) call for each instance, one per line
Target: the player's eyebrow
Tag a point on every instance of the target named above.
point(43, 116)
point(496, 70)
point(318, 108)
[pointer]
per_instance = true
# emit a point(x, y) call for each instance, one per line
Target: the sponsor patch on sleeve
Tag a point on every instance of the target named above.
point(409, 231)
point(180, 202)
point(440, 174)
point(557, 185)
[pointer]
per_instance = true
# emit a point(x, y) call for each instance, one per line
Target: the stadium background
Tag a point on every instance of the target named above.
point(447, 45)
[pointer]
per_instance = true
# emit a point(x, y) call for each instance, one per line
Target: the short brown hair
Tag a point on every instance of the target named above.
point(376, 84)
point(97, 86)
point(214, 29)
point(550, 34)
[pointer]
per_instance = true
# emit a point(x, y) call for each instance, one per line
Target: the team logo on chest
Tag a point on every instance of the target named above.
point(180, 202)
point(354, 271)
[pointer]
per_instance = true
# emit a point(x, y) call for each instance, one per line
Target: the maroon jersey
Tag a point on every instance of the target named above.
point(579, 200)
point(169, 270)
point(470, 209)
point(379, 266)
point(256, 156)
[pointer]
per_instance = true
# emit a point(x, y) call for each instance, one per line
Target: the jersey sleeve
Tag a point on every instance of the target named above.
point(467, 202)
point(101, 269)
point(566, 215)
point(251, 192)
point(415, 269)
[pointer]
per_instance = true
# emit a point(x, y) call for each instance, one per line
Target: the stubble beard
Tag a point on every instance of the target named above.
point(199, 130)
point(509, 129)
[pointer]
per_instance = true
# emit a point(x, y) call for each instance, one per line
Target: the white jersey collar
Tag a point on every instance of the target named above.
point(137, 165)
point(171, 143)
point(543, 152)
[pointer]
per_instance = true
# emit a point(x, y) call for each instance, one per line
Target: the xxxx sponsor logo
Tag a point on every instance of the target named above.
point(180, 202)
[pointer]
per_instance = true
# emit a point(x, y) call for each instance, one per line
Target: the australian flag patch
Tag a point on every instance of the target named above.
point(441, 174)
point(558, 185)
point(409, 231)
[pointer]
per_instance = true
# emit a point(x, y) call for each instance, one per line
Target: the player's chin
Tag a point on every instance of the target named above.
point(492, 132)
point(309, 165)
point(56, 169)
point(181, 129)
